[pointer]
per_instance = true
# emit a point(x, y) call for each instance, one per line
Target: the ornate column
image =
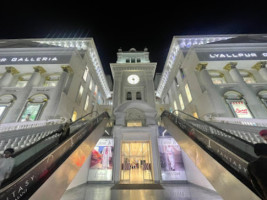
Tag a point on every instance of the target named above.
point(253, 101)
point(54, 99)
point(215, 97)
point(8, 76)
point(23, 95)
point(261, 68)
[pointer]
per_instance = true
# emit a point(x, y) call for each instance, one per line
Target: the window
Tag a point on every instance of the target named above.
point(33, 108)
point(79, 97)
point(5, 102)
point(138, 60)
point(23, 80)
point(138, 96)
point(52, 80)
point(132, 60)
point(95, 92)
point(188, 93)
point(91, 84)
point(263, 97)
point(86, 71)
point(175, 108)
point(247, 76)
point(181, 101)
point(74, 116)
point(237, 104)
point(195, 115)
point(129, 96)
point(127, 60)
point(217, 77)
point(86, 103)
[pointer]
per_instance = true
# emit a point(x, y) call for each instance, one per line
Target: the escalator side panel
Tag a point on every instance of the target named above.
point(58, 182)
point(224, 182)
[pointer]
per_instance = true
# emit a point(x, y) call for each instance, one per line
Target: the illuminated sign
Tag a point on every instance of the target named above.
point(232, 55)
point(35, 59)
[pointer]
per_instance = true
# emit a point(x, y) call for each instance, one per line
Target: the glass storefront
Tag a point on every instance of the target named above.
point(136, 162)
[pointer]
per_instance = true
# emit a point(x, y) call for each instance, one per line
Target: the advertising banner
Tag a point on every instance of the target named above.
point(240, 109)
point(172, 167)
point(101, 161)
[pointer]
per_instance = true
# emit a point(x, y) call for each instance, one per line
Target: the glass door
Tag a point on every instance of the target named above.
point(125, 162)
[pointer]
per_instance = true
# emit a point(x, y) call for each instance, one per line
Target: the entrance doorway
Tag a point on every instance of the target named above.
point(136, 162)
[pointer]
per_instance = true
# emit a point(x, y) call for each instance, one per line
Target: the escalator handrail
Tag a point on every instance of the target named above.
point(53, 133)
point(211, 125)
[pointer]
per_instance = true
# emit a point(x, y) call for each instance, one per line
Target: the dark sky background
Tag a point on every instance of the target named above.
point(131, 23)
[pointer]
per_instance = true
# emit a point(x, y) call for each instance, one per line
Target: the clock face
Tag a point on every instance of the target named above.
point(133, 79)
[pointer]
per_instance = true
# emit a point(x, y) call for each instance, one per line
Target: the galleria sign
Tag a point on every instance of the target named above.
point(35, 59)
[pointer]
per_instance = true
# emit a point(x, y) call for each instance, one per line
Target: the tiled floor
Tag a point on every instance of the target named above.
point(181, 191)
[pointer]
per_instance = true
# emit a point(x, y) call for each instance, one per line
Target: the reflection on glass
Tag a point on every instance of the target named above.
point(31, 111)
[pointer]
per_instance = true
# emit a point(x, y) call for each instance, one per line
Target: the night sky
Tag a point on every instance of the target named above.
point(131, 23)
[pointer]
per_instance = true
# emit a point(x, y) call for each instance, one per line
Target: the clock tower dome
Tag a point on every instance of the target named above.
point(133, 75)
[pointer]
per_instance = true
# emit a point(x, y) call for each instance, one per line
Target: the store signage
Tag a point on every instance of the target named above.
point(232, 55)
point(63, 59)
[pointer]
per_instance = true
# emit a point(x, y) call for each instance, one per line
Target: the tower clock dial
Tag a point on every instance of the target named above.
point(133, 79)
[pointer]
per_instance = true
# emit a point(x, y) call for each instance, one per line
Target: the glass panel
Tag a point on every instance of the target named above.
point(181, 101)
point(86, 103)
point(31, 112)
point(188, 93)
point(125, 161)
point(85, 73)
point(240, 109)
point(21, 83)
point(74, 116)
point(147, 164)
point(50, 83)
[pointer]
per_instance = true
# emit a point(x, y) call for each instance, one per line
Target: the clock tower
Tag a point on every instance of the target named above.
point(133, 75)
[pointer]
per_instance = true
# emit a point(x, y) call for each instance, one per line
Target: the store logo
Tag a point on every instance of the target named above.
point(235, 55)
point(27, 59)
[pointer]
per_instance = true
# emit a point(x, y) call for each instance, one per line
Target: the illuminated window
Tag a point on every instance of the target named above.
point(5, 102)
point(23, 80)
point(247, 76)
point(134, 124)
point(195, 115)
point(79, 97)
point(175, 108)
point(188, 93)
point(86, 103)
point(95, 92)
point(86, 71)
point(52, 80)
point(91, 84)
point(237, 104)
point(217, 77)
point(74, 116)
point(33, 108)
point(181, 101)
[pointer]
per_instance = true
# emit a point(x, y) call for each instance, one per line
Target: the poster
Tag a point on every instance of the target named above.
point(101, 165)
point(240, 109)
point(172, 167)
point(30, 112)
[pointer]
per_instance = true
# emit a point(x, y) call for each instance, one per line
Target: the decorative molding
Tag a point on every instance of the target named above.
point(259, 65)
point(230, 66)
point(39, 69)
point(67, 68)
point(201, 66)
point(12, 70)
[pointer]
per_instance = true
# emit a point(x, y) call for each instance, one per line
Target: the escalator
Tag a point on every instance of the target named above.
point(53, 161)
point(222, 157)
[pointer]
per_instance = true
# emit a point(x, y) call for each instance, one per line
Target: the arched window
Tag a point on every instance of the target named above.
point(247, 76)
point(263, 97)
point(217, 77)
point(5, 102)
point(23, 80)
point(33, 108)
point(237, 104)
point(129, 96)
point(51, 80)
point(138, 96)
point(74, 116)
